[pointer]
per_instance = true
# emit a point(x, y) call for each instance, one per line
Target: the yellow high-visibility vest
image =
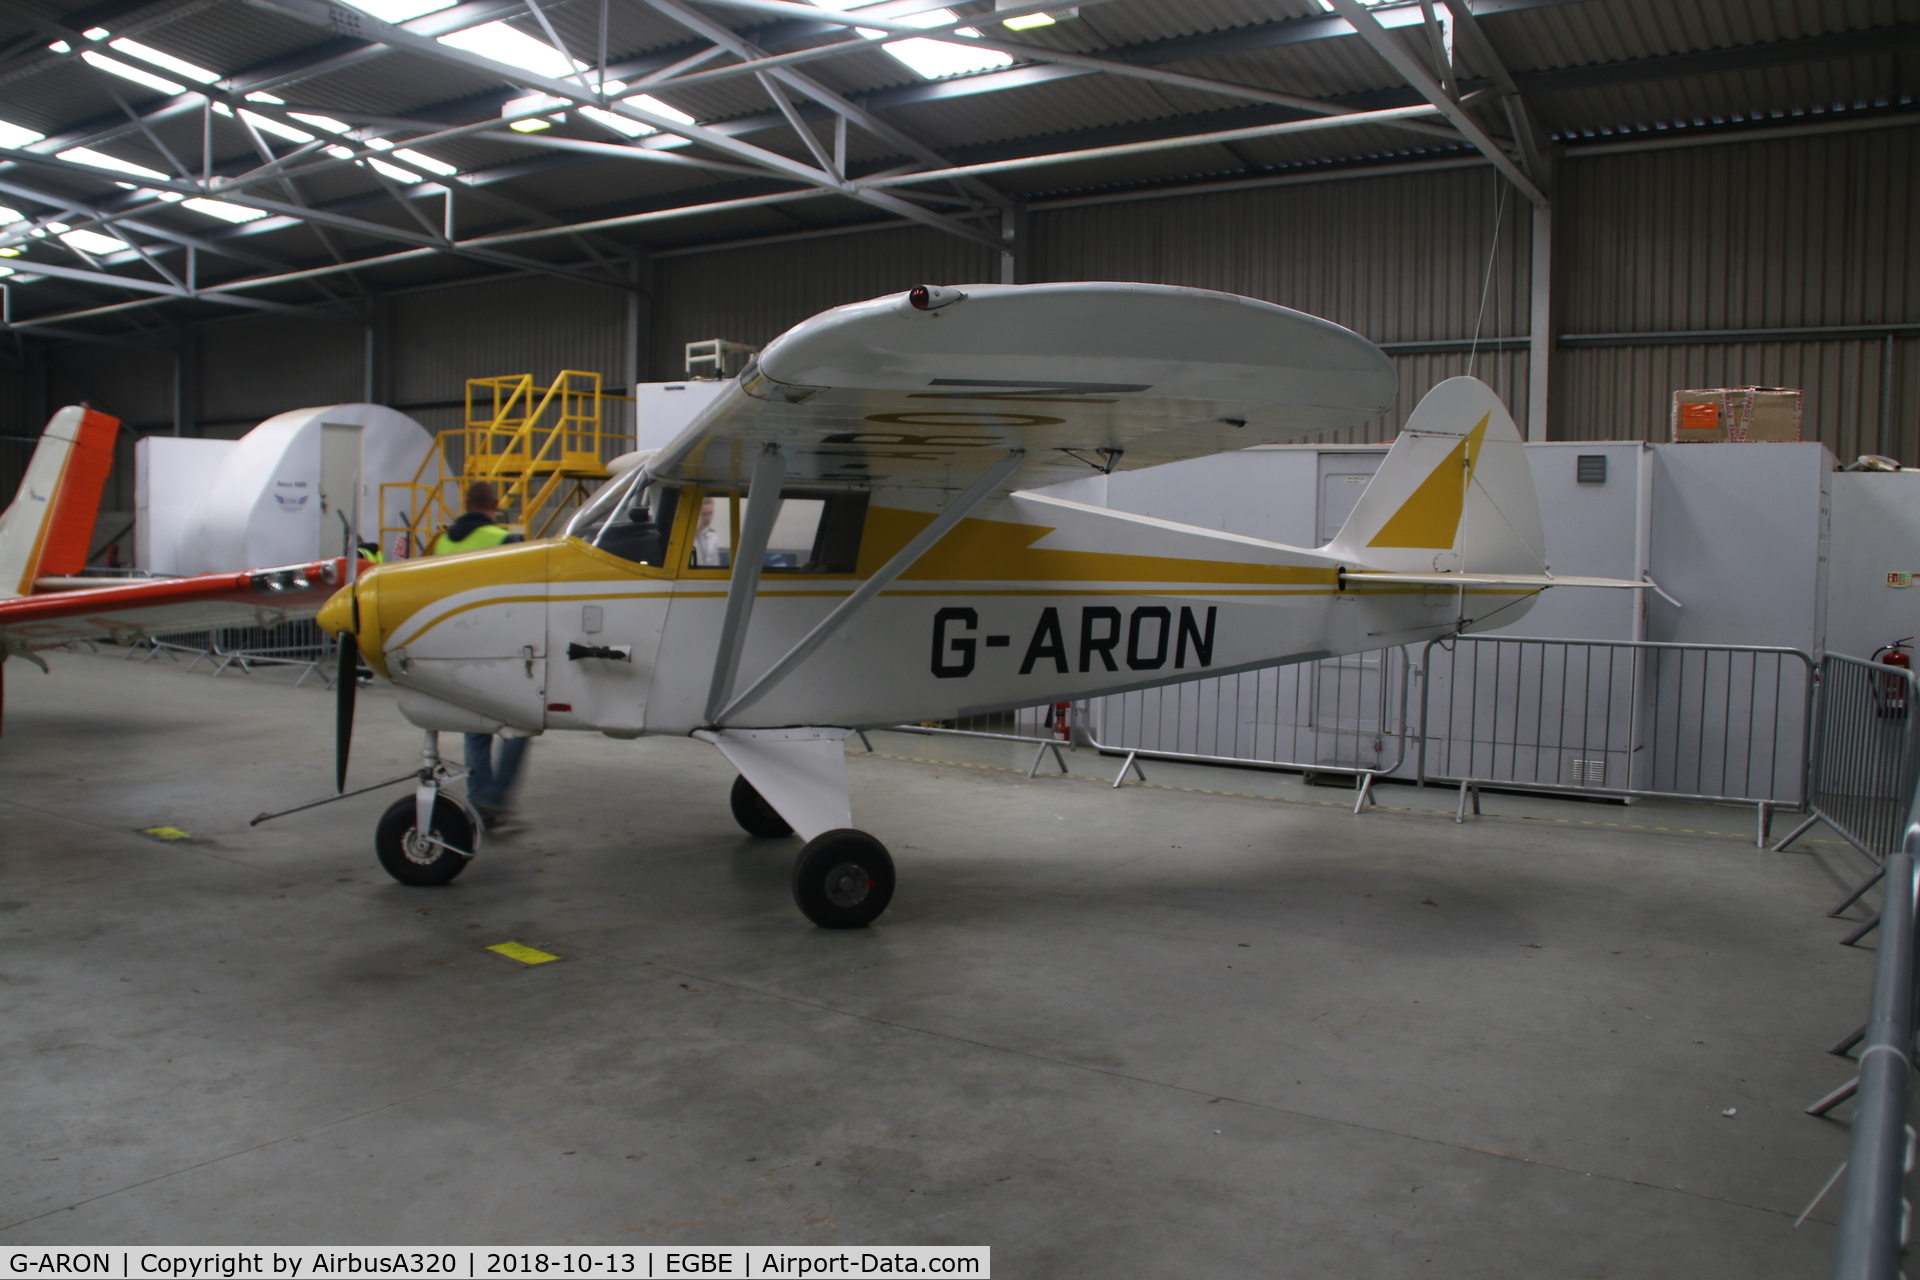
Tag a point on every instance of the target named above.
point(487, 535)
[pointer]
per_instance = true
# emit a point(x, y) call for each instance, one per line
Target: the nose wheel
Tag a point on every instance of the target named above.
point(430, 859)
point(843, 879)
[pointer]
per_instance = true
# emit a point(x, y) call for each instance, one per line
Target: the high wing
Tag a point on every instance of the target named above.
point(128, 610)
point(926, 389)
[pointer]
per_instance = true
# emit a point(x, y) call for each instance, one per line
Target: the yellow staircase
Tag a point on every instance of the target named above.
point(543, 448)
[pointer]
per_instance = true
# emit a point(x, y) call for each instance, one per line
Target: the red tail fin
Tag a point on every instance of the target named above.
point(70, 529)
point(49, 526)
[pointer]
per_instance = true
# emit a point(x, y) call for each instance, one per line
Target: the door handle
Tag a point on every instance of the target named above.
point(526, 654)
point(613, 652)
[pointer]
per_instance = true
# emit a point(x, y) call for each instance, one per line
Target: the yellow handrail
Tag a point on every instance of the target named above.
point(509, 439)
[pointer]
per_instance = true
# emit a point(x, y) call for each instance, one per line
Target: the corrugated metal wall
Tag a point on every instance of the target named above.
point(251, 370)
point(1788, 233)
point(539, 325)
point(753, 295)
point(134, 384)
point(1397, 259)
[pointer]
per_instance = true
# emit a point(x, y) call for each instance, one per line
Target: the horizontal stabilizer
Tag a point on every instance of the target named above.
point(1353, 577)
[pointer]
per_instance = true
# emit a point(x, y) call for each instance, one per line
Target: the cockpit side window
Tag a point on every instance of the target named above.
point(813, 532)
point(641, 525)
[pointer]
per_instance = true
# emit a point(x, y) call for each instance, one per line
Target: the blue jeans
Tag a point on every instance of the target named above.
point(490, 779)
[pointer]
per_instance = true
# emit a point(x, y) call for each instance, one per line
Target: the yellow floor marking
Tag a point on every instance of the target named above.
point(1334, 804)
point(166, 833)
point(523, 953)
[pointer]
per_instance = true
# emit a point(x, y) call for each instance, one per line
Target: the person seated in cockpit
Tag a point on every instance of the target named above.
point(707, 551)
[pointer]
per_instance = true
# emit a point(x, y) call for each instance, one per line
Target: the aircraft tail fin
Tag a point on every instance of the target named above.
point(1455, 494)
point(48, 529)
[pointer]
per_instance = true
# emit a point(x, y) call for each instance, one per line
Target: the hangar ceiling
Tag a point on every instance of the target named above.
point(165, 162)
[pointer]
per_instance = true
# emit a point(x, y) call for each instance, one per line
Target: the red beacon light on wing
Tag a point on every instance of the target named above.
point(931, 297)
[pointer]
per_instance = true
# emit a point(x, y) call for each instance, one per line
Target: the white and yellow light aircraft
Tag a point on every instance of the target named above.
point(843, 540)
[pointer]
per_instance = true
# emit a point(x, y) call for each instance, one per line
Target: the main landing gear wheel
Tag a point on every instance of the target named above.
point(755, 816)
point(414, 861)
point(843, 879)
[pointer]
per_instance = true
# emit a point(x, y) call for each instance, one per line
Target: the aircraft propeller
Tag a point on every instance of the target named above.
point(346, 684)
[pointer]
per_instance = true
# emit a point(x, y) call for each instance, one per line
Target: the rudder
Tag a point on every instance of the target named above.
point(48, 529)
point(1455, 493)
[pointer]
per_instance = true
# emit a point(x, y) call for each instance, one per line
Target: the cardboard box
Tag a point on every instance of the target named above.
point(1703, 416)
point(1757, 415)
point(1771, 415)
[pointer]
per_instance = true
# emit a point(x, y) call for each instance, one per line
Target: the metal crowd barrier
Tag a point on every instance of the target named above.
point(298, 644)
point(1344, 716)
point(1862, 772)
point(1049, 726)
point(1723, 724)
point(1874, 1215)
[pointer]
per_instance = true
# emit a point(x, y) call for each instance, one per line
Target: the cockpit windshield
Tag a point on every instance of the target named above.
point(638, 523)
point(588, 520)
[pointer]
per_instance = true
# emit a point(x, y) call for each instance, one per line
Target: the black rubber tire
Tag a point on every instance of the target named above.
point(450, 823)
point(843, 879)
point(755, 816)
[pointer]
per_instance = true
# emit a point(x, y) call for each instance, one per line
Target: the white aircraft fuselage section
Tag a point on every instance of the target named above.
point(1080, 601)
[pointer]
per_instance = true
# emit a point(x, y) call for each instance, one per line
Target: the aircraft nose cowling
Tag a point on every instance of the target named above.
point(336, 615)
point(355, 608)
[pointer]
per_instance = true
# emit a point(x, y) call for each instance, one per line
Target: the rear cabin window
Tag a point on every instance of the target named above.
point(813, 533)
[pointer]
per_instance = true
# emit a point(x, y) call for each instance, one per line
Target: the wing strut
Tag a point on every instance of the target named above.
point(921, 543)
point(748, 559)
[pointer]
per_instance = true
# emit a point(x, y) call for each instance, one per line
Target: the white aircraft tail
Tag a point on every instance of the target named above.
point(48, 530)
point(1455, 494)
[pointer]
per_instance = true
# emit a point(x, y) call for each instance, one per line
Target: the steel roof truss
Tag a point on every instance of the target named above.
point(1403, 61)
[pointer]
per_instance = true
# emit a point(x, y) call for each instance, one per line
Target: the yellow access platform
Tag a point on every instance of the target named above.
point(543, 448)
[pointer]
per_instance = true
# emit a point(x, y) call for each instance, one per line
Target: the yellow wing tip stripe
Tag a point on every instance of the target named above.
point(1430, 517)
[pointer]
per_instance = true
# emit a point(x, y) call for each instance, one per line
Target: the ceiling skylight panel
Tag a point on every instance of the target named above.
point(934, 59)
point(627, 124)
point(399, 10)
point(222, 210)
point(274, 127)
point(327, 123)
point(516, 48)
point(13, 135)
point(165, 61)
point(394, 171)
point(91, 242)
point(100, 159)
point(134, 74)
point(422, 160)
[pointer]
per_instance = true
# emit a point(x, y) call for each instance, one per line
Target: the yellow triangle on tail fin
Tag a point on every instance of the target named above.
point(1430, 517)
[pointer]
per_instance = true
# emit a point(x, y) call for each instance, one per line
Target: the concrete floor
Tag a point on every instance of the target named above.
point(1112, 1034)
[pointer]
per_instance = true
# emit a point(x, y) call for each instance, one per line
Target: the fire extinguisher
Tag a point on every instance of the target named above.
point(1893, 696)
point(1061, 725)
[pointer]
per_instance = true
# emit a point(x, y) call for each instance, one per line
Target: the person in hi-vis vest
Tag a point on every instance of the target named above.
point(491, 775)
point(479, 528)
